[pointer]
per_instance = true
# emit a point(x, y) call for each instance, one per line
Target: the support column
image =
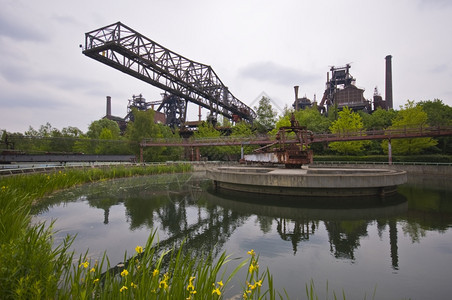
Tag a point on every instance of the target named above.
point(389, 152)
point(198, 154)
point(241, 153)
point(141, 155)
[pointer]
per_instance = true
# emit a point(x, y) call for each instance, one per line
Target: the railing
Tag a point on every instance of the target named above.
point(43, 167)
point(381, 163)
point(406, 132)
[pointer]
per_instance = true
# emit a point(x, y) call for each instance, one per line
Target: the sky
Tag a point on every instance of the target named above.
point(253, 46)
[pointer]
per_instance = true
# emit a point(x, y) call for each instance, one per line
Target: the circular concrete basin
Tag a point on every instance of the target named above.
point(334, 182)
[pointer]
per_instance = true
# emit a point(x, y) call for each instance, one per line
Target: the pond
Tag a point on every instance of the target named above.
point(398, 249)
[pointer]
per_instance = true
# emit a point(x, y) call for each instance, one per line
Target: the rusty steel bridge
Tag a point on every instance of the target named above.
point(302, 153)
point(388, 134)
point(130, 52)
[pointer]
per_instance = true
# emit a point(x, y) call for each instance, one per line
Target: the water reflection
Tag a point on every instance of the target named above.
point(430, 205)
point(175, 204)
point(184, 208)
point(345, 225)
point(298, 232)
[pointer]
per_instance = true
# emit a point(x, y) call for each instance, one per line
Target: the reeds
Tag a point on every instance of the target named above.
point(30, 266)
point(150, 274)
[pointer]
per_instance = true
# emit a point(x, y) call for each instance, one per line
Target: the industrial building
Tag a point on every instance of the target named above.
point(137, 102)
point(341, 91)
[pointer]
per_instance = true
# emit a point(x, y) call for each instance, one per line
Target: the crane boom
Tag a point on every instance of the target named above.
point(128, 51)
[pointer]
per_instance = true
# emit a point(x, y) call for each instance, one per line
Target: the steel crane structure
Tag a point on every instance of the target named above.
point(128, 51)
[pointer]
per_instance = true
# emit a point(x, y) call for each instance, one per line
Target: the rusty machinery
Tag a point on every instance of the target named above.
point(341, 91)
point(292, 154)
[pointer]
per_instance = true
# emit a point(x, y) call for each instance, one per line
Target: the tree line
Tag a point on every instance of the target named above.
point(104, 136)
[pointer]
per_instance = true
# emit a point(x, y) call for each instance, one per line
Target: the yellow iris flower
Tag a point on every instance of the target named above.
point(216, 291)
point(123, 288)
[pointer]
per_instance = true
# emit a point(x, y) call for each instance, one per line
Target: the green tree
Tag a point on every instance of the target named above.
point(333, 113)
point(143, 127)
point(105, 136)
point(170, 153)
point(93, 143)
point(316, 122)
point(58, 142)
point(6, 142)
point(266, 116)
point(410, 116)
point(84, 145)
point(95, 128)
point(64, 140)
point(206, 131)
point(379, 119)
point(43, 131)
point(313, 120)
point(46, 139)
point(439, 114)
point(241, 129)
point(348, 123)
point(283, 121)
point(287, 111)
point(71, 131)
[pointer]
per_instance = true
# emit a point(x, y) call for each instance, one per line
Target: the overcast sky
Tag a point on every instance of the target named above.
point(253, 46)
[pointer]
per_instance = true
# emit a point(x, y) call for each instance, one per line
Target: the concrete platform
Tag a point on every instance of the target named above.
point(330, 182)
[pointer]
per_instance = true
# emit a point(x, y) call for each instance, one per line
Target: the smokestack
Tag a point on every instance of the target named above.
point(296, 96)
point(108, 106)
point(388, 90)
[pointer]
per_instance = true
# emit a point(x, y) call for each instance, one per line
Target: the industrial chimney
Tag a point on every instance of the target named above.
point(108, 106)
point(296, 97)
point(388, 91)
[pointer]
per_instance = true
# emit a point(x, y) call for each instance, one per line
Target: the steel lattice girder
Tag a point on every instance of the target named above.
point(124, 49)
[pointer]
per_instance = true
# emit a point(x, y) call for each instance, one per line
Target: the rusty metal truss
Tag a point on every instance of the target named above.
point(416, 132)
point(128, 51)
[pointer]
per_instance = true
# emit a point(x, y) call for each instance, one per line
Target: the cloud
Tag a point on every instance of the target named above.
point(435, 3)
point(65, 20)
point(277, 74)
point(440, 68)
point(19, 29)
point(29, 100)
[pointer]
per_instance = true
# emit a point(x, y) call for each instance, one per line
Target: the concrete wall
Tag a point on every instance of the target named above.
point(442, 170)
point(418, 169)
